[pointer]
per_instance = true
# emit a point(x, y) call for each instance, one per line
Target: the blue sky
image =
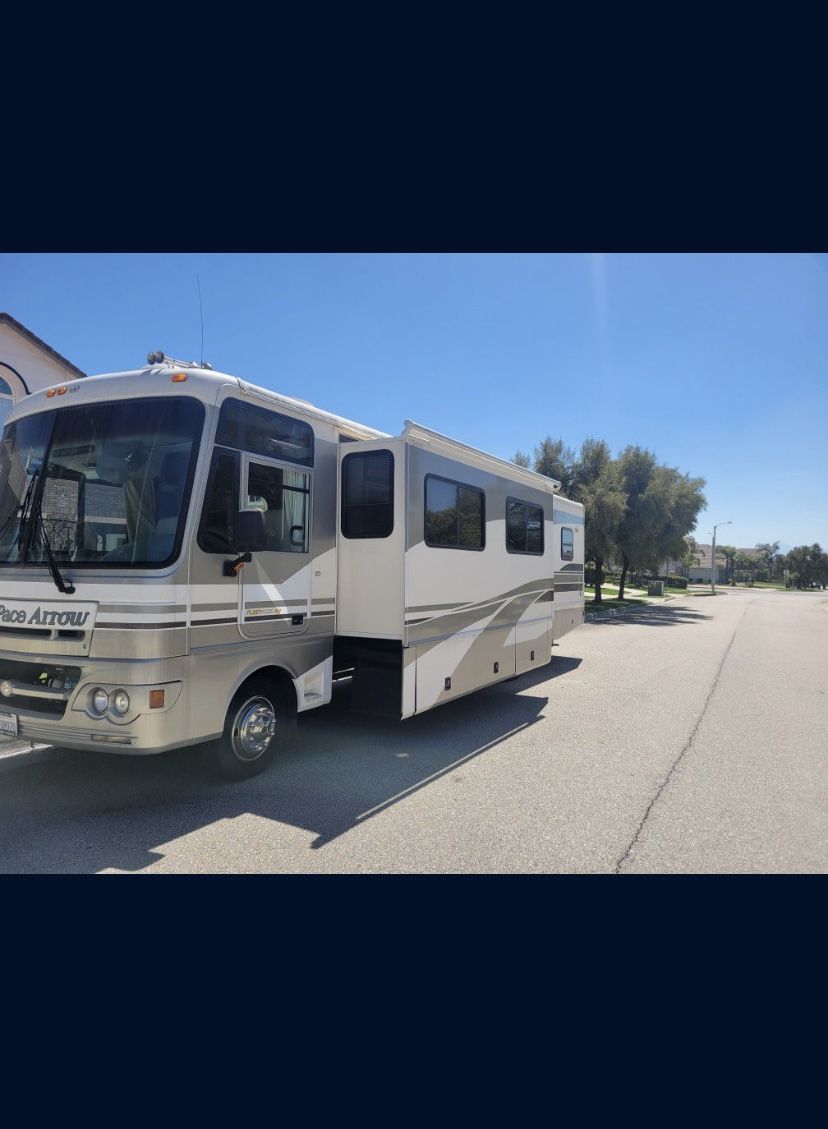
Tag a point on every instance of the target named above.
point(719, 363)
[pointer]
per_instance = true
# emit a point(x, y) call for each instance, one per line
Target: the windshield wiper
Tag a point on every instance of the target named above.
point(34, 522)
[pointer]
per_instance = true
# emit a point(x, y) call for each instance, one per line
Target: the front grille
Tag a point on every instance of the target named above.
point(38, 676)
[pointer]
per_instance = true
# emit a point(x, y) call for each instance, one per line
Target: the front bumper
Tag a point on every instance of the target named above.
point(55, 716)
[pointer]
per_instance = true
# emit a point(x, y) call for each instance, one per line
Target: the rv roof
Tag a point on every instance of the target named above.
point(204, 383)
point(416, 432)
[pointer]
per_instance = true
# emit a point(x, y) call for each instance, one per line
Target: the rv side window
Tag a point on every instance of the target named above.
point(282, 497)
point(247, 427)
point(368, 494)
point(216, 534)
point(567, 544)
point(524, 527)
point(455, 514)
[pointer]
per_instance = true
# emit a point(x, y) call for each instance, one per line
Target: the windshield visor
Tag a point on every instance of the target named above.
point(108, 483)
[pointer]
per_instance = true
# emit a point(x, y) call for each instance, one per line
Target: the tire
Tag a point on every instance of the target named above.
point(260, 723)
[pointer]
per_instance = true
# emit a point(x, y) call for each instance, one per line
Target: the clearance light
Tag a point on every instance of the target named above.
point(61, 390)
point(156, 699)
point(50, 392)
point(178, 377)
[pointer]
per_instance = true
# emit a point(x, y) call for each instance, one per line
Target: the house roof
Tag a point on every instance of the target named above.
point(702, 554)
point(15, 324)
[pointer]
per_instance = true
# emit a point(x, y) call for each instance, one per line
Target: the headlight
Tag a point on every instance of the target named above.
point(119, 702)
point(100, 701)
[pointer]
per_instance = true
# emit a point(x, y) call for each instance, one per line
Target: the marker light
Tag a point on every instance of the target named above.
point(50, 392)
point(61, 390)
point(178, 377)
point(156, 699)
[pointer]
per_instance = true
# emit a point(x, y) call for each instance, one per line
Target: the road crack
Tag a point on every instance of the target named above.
point(686, 749)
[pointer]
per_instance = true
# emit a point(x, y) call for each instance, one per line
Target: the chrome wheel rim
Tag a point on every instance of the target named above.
point(253, 729)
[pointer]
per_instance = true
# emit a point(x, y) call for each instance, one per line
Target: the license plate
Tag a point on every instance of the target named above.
point(8, 724)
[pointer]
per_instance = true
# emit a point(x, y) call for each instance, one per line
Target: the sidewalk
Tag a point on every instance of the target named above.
point(605, 610)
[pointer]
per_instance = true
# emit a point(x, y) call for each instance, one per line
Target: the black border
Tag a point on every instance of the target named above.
point(217, 453)
point(244, 405)
point(343, 507)
point(124, 566)
point(569, 529)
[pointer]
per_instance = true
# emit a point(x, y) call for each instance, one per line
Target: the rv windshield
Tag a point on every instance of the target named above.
point(109, 483)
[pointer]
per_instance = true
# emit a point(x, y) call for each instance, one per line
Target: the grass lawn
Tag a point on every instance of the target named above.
point(631, 593)
point(611, 601)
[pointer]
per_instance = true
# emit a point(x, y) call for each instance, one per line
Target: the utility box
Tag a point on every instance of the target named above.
point(655, 588)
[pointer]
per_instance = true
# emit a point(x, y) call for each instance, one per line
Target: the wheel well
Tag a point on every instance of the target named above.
point(277, 675)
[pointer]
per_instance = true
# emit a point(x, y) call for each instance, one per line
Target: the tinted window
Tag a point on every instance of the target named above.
point(220, 504)
point(524, 527)
point(250, 428)
point(454, 515)
point(103, 484)
point(368, 494)
point(281, 495)
point(567, 545)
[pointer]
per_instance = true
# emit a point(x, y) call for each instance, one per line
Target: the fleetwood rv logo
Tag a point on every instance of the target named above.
point(47, 615)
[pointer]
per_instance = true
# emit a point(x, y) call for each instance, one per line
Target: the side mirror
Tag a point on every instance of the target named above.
point(249, 532)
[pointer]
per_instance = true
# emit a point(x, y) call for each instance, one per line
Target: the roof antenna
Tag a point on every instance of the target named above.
point(201, 311)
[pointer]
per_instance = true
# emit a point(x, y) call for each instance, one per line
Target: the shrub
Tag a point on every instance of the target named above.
point(674, 581)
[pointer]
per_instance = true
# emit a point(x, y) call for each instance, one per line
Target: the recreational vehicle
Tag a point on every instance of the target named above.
point(187, 558)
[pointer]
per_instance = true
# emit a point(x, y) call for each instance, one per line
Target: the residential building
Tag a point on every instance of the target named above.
point(27, 364)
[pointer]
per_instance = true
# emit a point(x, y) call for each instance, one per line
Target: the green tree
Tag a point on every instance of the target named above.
point(554, 459)
point(729, 553)
point(808, 565)
point(519, 459)
point(685, 501)
point(768, 551)
point(690, 557)
point(645, 512)
point(597, 484)
point(745, 566)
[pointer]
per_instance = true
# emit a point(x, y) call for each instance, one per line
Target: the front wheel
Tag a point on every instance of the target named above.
point(259, 723)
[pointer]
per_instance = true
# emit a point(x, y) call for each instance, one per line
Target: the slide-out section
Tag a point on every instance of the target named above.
point(370, 550)
point(478, 576)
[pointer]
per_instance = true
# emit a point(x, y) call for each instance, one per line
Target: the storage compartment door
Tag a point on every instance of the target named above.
point(533, 646)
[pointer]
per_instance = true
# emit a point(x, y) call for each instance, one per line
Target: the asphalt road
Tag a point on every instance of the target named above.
point(692, 737)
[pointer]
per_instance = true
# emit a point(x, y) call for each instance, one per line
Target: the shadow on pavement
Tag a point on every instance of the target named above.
point(66, 811)
point(652, 616)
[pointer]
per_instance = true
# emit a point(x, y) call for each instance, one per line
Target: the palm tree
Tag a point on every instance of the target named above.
point(729, 553)
point(768, 551)
point(690, 556)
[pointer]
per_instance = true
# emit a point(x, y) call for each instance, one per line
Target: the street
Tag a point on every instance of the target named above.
point(690, 737)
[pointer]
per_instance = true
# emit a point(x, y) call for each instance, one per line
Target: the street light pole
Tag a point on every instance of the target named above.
point(713, 557)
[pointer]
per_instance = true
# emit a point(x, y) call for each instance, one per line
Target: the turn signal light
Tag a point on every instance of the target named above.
point(156, 699)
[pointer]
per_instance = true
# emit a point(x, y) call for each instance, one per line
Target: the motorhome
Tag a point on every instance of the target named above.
point(187, 558)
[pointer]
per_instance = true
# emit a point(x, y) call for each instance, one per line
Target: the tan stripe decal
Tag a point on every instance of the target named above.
point(433, 607)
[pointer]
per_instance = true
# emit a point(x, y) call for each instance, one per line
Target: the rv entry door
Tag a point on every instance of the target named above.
point(274, 589)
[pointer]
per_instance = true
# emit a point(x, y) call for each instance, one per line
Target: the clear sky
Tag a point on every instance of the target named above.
point(719, 363)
